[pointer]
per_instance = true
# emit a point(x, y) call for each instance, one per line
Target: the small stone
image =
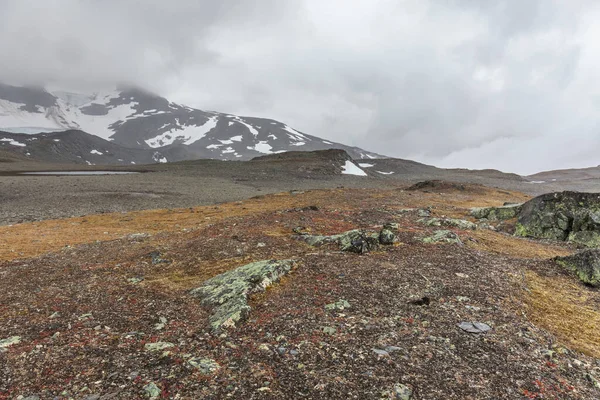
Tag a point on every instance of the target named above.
point(135, 280)
point(382, 353)
point(264, 347)
point(152, 391)
point(338, 305)
point(162, 322)
point(392, 349)
point(260, 244)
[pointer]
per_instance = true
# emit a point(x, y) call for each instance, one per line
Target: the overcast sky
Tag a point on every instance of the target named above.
point(512, 85)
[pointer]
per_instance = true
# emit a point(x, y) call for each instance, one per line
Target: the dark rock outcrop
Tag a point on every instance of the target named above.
point(586, 264)
point(566, 216)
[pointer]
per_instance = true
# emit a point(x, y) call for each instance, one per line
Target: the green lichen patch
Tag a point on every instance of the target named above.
point(497, 213)
point(4, 343)
point(158, 346)
point(227, 294)
point(449, 222)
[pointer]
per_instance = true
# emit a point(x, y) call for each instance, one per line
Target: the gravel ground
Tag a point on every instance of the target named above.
point(205, 182)
point(114, 319)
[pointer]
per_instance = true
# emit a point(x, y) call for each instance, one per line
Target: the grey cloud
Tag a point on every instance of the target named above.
point(458, 83)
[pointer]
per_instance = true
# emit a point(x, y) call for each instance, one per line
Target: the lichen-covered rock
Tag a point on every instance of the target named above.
point(443, 236)
point(152, 391)
point(228, 293)
point(449, 222)
point(318, 240)
point(206, 366)
point(339, 305)
point(585, 264)
point(497, 213)
point(357, 240)
point(387, 235)
point(570, 216)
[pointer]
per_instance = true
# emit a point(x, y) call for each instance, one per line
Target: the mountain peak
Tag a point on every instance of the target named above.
point(135, 118)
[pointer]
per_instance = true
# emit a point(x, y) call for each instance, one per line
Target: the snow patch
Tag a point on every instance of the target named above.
point(294, 133)
point(13, 142)
point(236, 138)
point(262, 147)
point(349, 168)
point(157, 157)
point(96, 152)
point(189, 134)
point(385, 173)
point(250, 127)
point(365, 165)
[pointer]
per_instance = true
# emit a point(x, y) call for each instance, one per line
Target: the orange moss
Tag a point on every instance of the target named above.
point(566, 308)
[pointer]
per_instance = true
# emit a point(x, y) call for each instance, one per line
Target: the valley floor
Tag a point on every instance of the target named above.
point(101, 305)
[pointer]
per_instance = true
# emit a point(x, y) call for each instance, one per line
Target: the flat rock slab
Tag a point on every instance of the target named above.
point(474, 327)
point(227, 293)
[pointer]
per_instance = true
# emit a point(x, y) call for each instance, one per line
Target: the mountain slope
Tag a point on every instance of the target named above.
point(137, 119)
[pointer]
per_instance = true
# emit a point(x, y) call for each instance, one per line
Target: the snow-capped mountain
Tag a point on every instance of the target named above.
point(135, 119)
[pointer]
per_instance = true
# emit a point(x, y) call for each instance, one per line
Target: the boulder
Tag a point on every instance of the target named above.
point(227, 294)
point(497, 213)
point(570, 216)
point(585, 264)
